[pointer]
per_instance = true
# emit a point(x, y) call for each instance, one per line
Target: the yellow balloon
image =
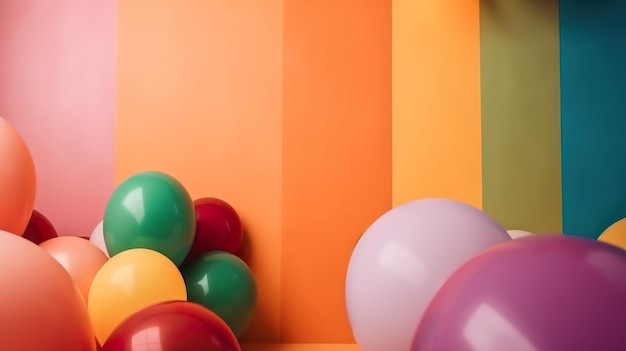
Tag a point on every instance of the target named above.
point(615, 234)
point(129, 282)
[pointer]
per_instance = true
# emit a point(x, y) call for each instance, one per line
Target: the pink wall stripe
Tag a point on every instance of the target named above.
point(57, 87)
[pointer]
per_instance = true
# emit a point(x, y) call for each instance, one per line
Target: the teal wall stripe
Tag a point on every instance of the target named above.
point(593, 120)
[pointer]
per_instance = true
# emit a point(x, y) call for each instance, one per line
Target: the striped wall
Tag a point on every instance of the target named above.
point(314, 117)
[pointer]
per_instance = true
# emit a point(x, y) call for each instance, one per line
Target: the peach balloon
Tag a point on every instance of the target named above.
point(17, 180)
point(80, 258)
point(40, 306)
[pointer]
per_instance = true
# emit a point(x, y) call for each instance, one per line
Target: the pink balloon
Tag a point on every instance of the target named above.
point(402, 260)
point(542, 292)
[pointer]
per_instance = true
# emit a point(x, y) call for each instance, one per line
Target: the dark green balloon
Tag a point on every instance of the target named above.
point(150, 210)
point(223, 283)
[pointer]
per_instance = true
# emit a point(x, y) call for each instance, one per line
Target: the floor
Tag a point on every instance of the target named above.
point(299, 347)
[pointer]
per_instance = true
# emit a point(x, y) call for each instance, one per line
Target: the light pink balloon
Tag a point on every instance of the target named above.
point(403, 259)
point(97, 238)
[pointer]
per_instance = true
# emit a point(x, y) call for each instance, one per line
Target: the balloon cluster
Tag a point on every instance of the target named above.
point(165, 247)
point(160, 271)
point(440, 275)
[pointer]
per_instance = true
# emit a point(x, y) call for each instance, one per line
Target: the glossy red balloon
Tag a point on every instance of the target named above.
point(39, 228)
point(218, 227)
point(172, 326)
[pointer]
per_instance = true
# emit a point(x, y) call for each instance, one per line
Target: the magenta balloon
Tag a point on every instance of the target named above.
point(401, 261)
point(538, 293)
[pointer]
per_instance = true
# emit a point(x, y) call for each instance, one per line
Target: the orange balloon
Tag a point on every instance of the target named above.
point(129, 282)
point(40, 306)
point(17, 180)
point(80, 258)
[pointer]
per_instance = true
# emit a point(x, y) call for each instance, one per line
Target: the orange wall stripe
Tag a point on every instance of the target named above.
point(436, 100)
point(336, 156)
point(200, 96)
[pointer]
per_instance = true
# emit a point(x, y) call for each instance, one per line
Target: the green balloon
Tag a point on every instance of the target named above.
point(223, 283)
point(150, 210)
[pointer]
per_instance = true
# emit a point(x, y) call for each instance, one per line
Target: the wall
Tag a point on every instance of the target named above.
point(313, 117)
point(57, 87)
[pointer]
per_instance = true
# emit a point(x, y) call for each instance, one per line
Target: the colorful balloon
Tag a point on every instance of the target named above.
point(515, 234)
point(547, 292)
point(615, 234)
point(39, 228)
point(173, 326)
point(17, 180)
point(401, 261)
point(80, 258)
point(127, 283)
point(97, 238)
point(150, 210)
point(223, 283)
point(218, 227)
point(40, 307)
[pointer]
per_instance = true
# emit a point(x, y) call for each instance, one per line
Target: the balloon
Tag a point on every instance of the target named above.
point(150, 210)
point(39, 228)
point(173, 326)
point(80, 258)
point(40, 307)
point(545, 292)
point(515, 234)
point(129, 282)
point(97, 238)
point(401, 261)
point(218, 227)
point(615, 234)
point(17, 180)
point(223, 283)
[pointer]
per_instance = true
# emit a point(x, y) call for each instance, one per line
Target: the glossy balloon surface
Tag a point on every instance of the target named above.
point(39, 228)
point(97, 238)
point(150, 210)
point(218, 227)
point(18, 181)
point(615, 234)
point(223, 283)
point(127, 283)
point(80, 258)
point(172, 326)
point(539, 293)
point(401, 261)
point(40, 306)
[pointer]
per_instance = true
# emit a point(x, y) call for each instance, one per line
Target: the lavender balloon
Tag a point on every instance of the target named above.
point(539, 293)
point(401, 261)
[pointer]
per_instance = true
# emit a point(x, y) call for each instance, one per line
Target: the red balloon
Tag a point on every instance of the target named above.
point(39, 228)
point(218, 227)
point(173, 326)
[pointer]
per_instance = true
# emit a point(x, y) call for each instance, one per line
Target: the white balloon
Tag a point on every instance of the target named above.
point(97, 238)
point(514, 234)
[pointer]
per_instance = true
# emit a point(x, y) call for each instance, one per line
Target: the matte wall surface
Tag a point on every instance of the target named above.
point(57, 87)
point(521, 143)
point(436, 100)
point(336, 154)
point(593, 90)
